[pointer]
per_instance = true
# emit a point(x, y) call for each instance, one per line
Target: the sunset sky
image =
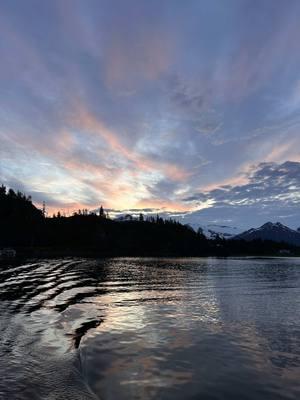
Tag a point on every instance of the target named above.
point(165, 105)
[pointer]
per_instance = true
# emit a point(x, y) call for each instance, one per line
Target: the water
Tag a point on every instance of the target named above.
point(150, 329)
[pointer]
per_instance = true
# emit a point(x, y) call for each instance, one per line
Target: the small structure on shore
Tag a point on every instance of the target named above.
point(285, 252)
point(7, 253)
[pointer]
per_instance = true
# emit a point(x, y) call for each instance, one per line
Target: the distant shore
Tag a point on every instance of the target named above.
point(61, 252)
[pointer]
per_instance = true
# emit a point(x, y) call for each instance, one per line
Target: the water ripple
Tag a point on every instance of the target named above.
point(148, 328)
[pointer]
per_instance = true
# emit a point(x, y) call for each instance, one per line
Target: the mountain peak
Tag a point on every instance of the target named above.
point(273, 224)
point(276, 232)
point(268, 225)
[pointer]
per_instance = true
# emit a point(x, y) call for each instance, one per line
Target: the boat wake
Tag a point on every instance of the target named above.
point(40, 355)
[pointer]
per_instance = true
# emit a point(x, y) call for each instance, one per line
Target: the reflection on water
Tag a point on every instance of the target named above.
point(150, 328)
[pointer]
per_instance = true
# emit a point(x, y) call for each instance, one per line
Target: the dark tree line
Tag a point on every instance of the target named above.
point(20, 220)
point(27, 228)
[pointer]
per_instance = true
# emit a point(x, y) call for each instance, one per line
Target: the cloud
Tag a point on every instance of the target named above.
point(143, 104)
point(271, 192)
point(266, 183)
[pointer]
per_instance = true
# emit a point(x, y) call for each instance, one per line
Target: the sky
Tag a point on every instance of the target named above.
point(188, 107)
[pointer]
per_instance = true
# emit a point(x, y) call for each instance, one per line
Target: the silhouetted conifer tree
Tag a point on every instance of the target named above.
point(11, 193)
point(2, 191)
point(44, 209)
point(101, 212)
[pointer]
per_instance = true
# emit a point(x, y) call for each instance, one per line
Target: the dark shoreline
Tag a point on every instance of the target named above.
point(27, 230)
point(26, 253)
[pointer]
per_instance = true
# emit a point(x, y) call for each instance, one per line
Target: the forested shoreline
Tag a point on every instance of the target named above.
point(27, 229)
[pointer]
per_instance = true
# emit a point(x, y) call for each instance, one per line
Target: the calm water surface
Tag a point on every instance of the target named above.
point(150, 329)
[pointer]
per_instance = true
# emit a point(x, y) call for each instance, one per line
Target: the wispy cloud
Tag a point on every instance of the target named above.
point(143, 104)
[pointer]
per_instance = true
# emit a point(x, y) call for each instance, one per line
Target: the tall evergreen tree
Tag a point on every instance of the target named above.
point(101, 212)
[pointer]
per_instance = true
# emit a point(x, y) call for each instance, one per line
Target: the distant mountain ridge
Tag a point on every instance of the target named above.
point(276, 232)
point(210, 231)
point(213, 231)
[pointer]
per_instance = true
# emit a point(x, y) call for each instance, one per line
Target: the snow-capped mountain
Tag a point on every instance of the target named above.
point(213, 231)
point(272, 231)
point(125, 217)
